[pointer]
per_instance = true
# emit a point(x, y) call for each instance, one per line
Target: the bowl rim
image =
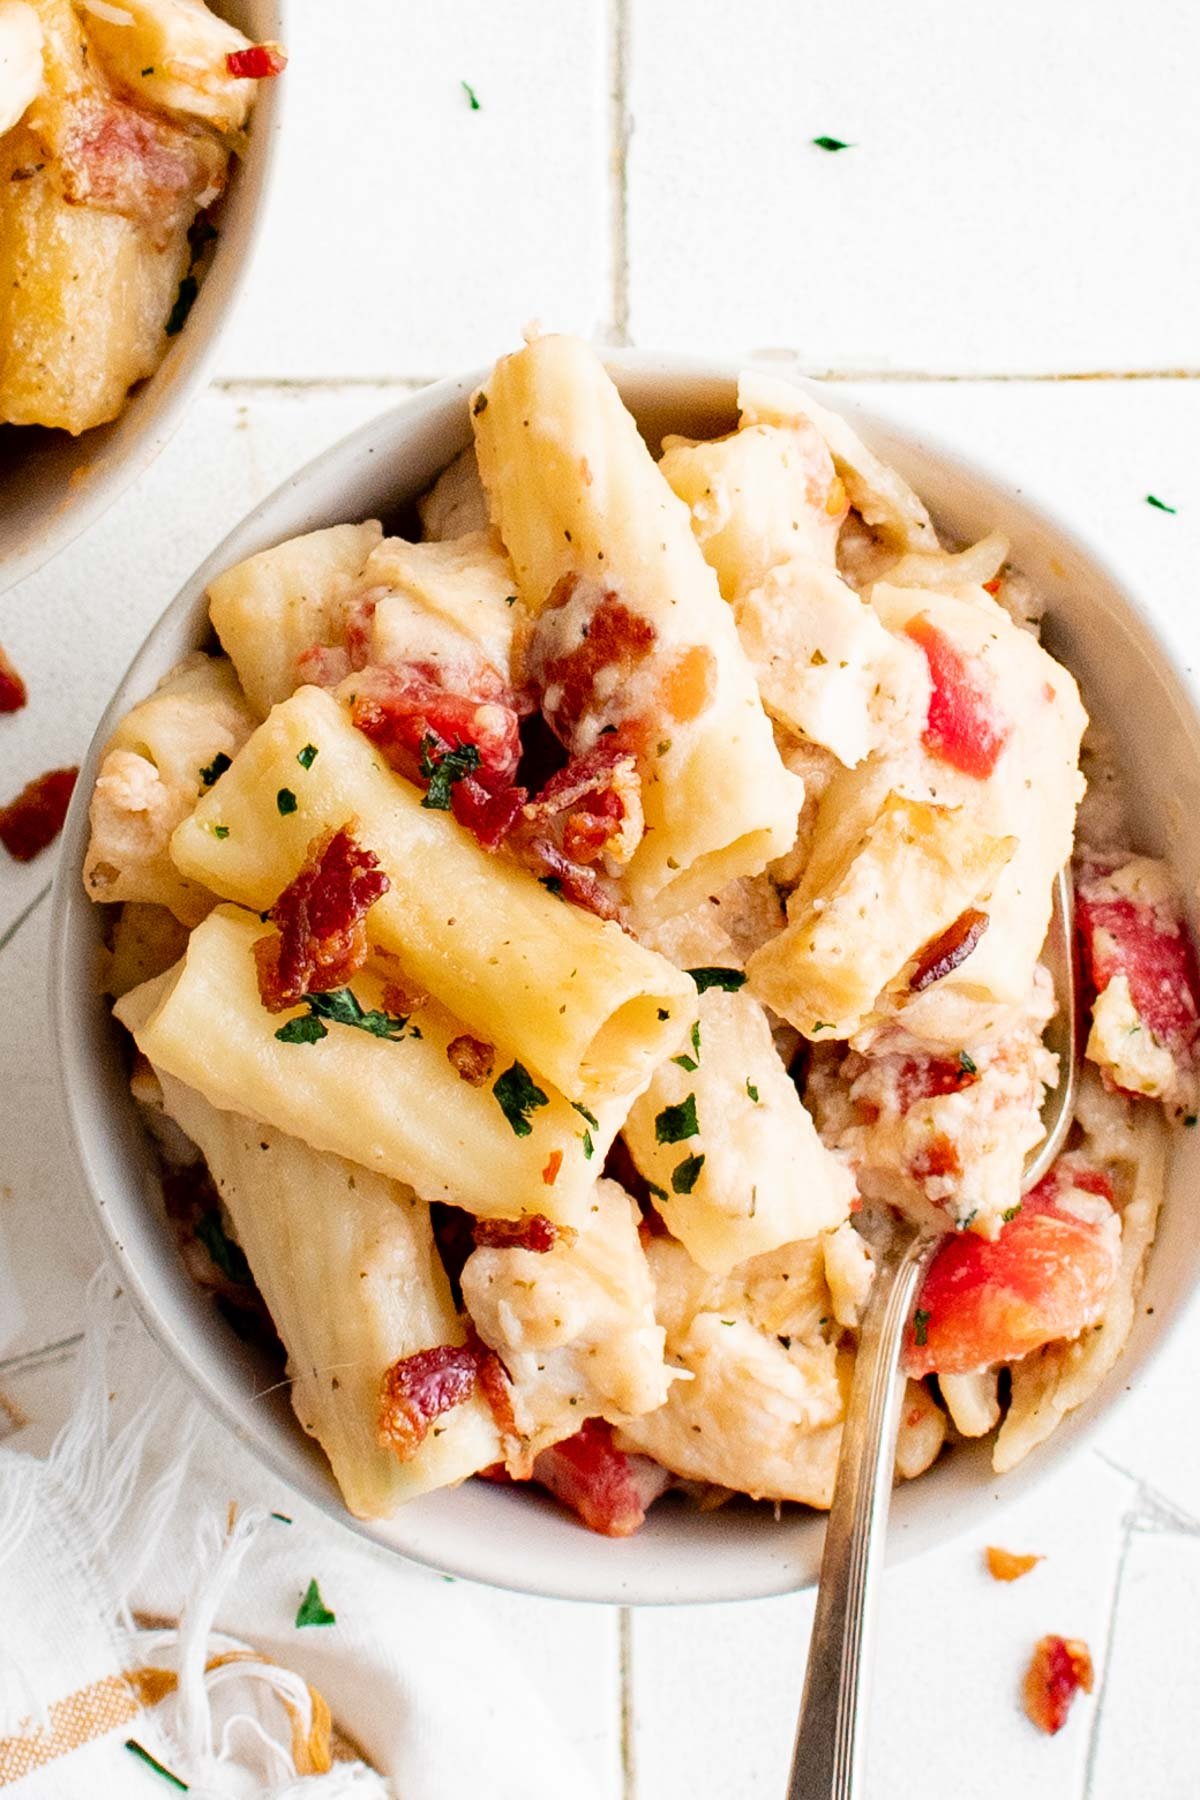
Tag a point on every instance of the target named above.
point(171, 391)
point(778, 1576)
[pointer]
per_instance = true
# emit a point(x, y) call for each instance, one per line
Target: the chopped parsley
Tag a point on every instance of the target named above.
point(510, 600)
point(659, 1193)
point(965, 1224)
point(282, 1517)
point(148, 71)
point(830, 143)
point(551, 883)
point(286, 802)
point(185, 299)
point(442, 770)
point(220, 831)
point(152, 1762)
point(312, 1609)
point(1189, 1120)
point(967, 1063)
point(229, 1257)
point(342, 1007)
point(472, 97)
point(691, 1063)
point(518, 1095)
point(687, 1174)
point(215, 769)
point(663, 1013)
point(307, 757)
point(921, 1325)
point(1159, 505)
point(593, 1121)
point(480, 405)
point(664, 746)
point(821, 1025)
point(752, 1091)
point(675, 1123)
point(589, 1149)
point(728, 979)
point(1010, 1214)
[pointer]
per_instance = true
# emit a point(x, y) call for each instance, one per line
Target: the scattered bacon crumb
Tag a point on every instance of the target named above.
point(608, 1489)
point(496, 1389)
point(1059, 1669)
point(322, 936)
point(553, 1165)
point(1007, 1565)
point(130, 160)
point(418, 1389)
point(471, 1059)
point(993, 586)
point(941, 957)
point(35, 818)
point(404, 1000)
point(256, 63)
point(617, 641)
point(12, 688)
point(532, 1232)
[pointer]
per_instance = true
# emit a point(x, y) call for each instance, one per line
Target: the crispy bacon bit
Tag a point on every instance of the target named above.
point(581, 886)
point(532, 1232)
point(608, 1489)
point(963, 726)
point(938, 1159)
point(553, 1165)
point(1007, 1565)
point(400, 709)
point(139, 163)
point(577, 682)
point(35, 818)
point(418, 1389)
point(928, 1078)
point(945, 953)
point(322, 937)
point(397, 999)
point(257, 63)
point(1150, 945)
point(495, 1387)
point(12, 688)
point(592, 808)
point(1060, 1668)
point(471, 1059)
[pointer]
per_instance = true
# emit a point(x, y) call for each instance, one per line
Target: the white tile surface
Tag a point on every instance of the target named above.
point(1016, 198)
point(1019, 198)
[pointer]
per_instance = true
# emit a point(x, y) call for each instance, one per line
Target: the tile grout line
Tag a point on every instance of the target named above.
point(628, 1727)
point(21, 918)
point(619, 128)
point(255, 385)
point(1092, 1762)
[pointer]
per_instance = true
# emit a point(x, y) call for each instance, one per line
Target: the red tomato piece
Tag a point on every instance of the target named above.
point(963, 726)
point(1149, 945)
point(256, 63)
point(1044, 1277)
point(608, 1489)
point(1060, 1669)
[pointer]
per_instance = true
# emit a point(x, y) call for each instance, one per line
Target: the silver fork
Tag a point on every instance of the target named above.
point(828, 1758)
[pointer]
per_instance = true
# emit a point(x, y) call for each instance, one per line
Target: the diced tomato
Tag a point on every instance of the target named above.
point(35, 818)
point(1045, 1276)
point(1060, 1669)
point(608, 1489)
point(256, 63)
point(322, 937)
point(12, 688)
point(963, 725)
point(928, 1077)
point(1149, 945)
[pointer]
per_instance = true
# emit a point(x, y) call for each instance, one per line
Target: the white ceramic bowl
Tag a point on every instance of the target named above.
point(506, 1536)
point(52, 485)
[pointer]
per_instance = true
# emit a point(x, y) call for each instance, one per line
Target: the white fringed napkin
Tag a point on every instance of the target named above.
point(120, 1522)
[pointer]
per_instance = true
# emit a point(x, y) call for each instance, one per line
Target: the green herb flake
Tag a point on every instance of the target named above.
point(220, 831)
point(286, 802)
point(589, 1149)
point(480, 405)
point(659, 1193)
point(518, 1095)
point(1011, 1213)
point(730, 980)
point(307, 757)
point(729, 1321)
point(664, 746)
point(967, 1063)
point(821, 1025)
point(510, 600)
point(687, 1174)
point(830, 143)
point(752, 1091)
point(663, 1014)
point(676, 1123)
point(552, 885)
point(965, 1224)
point(442, 768)
point(312, 1609)
point(148, 71)
point(472, 97)
point(341, 1006)
point(215, 769)
point(152, 1762)
point(592, 1120)
point(282, 1517)
point(229, 1257)
point(306, 1029)
point(921, 1325)
point(185, 299)
point(1159, 505)
point(1189, 1120)
point(691, 1063)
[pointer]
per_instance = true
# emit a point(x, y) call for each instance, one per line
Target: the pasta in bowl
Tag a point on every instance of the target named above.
point(556, 937)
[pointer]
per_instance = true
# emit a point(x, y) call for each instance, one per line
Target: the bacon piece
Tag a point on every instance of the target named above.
point(139, 163)
point(928, 1077)
point(1060, 1668)
point(534, 1231)
point(12, 688)
point(611, 643)
point(35, 818)
point(471, 1059)
point(1007, 1565)
point(1045, 1276)
point(606, 1488)
point(486, 807)
point(582, 886)
point(938, 1159)
point(322, 937)
point(1150, 945)
point(963, 725)
point(257, 63)
point(400, 709)
point(418, 1389)
point(944, 954)
point(592, 808)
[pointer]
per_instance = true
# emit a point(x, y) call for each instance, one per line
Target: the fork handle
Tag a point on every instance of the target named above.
point(827, 1761)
